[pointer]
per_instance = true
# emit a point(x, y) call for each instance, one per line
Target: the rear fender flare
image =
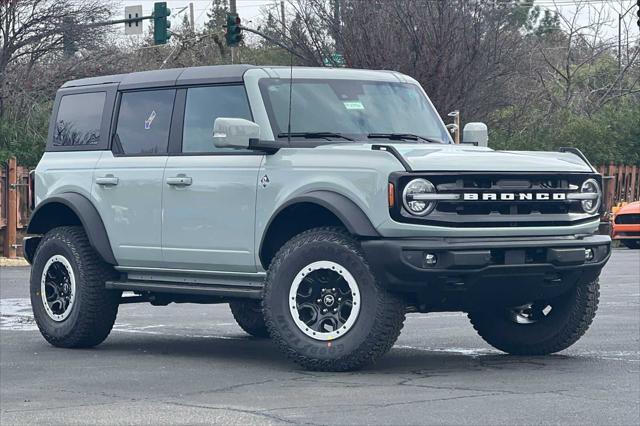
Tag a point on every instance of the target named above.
point(43, 219)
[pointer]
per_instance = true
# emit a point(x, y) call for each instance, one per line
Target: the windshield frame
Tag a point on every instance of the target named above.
point(276, 130)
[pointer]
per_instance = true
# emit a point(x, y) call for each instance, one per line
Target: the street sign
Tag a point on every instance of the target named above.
point(134, 27)
point(335, 60)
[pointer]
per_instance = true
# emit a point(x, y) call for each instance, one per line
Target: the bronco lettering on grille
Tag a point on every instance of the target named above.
point(514, 196)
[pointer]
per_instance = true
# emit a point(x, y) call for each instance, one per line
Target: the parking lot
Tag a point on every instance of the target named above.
point(192, 364)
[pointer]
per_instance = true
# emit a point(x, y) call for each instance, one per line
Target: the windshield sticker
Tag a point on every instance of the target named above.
point(353, 105)
point(148, 121)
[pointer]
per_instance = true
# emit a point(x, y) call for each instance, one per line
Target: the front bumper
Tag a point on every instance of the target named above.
point(629, 231)
point(485, 270)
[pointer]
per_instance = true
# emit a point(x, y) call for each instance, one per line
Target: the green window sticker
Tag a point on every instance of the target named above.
point(353, 105)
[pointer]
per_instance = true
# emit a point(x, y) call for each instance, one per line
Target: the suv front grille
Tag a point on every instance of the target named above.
point(500, 212)
point(628, 219)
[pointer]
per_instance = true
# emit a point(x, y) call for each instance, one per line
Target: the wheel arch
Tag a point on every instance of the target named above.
point(69, 209)
point(310, 210)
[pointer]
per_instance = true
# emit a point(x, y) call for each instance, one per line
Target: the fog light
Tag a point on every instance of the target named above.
point(430, 259)
point(588, 254)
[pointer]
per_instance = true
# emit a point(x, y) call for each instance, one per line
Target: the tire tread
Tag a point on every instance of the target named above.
point(99, 305)
point(580, 318)
point(390, 311)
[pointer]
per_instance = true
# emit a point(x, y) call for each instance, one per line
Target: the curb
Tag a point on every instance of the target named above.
point(7, 262)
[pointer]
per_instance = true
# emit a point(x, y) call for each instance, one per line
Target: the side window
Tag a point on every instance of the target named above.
point(203, 106)
point(144, 121)
point(79, 119)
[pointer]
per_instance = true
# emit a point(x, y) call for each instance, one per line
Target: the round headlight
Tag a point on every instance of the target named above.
point(411, 197)
point(590, 186)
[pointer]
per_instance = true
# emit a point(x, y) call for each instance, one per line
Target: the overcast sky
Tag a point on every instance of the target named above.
point(250, 10)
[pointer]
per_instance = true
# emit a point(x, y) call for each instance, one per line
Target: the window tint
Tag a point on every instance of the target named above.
point(79, 119)
point(204, 105)
point(144, 121)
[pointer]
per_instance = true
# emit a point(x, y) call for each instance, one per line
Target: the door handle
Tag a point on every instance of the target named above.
point(108, 180)
point(180, 180)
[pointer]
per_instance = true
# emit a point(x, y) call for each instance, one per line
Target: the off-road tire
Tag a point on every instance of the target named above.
point(379, 321)
point(95, 309)
point(561, 329)
point(631, 244)
point(248, 315)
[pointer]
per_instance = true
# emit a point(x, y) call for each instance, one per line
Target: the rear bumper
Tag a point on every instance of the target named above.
point(498, 270)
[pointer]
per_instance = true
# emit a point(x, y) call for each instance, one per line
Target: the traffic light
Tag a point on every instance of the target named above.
point(234, 30)
point(638, 13)
point(161, 24)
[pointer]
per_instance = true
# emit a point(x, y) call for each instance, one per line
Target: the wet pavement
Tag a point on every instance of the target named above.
point(191, 364)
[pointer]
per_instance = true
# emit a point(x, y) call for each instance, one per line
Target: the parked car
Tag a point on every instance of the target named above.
point(321, 204)
point(626, 225)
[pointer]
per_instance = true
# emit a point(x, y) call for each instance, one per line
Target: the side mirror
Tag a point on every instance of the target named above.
point(234, 132)
point(476, 134)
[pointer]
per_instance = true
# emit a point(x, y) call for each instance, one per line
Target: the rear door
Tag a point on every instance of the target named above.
point(128, 178)
point(209, 193)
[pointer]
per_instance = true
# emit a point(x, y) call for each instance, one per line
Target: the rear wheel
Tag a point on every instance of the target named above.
point(323, 306)
point(541, 327)
point(632, 244)
point(70, 304)
point(248, 315)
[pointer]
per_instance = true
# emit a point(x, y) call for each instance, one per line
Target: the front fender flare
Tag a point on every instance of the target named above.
point(352, 216)
point(89, 217)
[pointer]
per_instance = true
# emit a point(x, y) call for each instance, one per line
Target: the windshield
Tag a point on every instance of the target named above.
point(354, 109)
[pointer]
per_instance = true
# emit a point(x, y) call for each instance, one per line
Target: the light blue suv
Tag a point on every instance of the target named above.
point(321, 204)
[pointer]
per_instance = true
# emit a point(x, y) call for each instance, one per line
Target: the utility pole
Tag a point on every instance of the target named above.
point(282, 18)
point(233, 11)
point(192, 18)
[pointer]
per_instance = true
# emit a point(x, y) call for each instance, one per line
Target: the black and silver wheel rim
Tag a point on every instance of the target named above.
point(324, 300)
point(530, 313)
point(58, 288)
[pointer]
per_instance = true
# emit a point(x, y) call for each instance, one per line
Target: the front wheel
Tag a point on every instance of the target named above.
point(323, 306)
point(541, 327)
point(632, 244)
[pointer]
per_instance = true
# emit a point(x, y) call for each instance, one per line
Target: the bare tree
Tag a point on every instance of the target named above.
point(32, 29)
point(576, 67)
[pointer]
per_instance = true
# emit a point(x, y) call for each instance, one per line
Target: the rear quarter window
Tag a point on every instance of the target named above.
point(79, 120)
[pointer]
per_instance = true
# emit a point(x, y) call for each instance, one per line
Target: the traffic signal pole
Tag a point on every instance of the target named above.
point(160, 17)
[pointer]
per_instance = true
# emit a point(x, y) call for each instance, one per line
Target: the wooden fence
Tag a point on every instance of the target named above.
point(621, 184)
point(22, 197)
point(14, 194)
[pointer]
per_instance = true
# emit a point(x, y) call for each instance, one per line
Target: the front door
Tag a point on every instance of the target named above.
point(209, 194)
point(128, 179)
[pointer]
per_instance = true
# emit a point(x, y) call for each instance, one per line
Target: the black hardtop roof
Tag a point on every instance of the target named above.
point(168, 77)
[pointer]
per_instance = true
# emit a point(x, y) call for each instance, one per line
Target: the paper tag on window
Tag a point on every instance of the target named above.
point(353, 105)
point(148, 121)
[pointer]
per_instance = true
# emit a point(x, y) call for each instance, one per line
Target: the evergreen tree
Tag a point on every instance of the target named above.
point(217, 15)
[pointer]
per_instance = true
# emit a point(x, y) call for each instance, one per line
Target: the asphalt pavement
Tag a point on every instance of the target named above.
point(191, 364)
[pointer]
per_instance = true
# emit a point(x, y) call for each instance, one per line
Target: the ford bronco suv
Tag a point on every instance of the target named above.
point(322, 204)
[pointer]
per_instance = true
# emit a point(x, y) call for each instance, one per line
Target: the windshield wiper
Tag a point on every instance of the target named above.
point(314, 135)
point(402, 137)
